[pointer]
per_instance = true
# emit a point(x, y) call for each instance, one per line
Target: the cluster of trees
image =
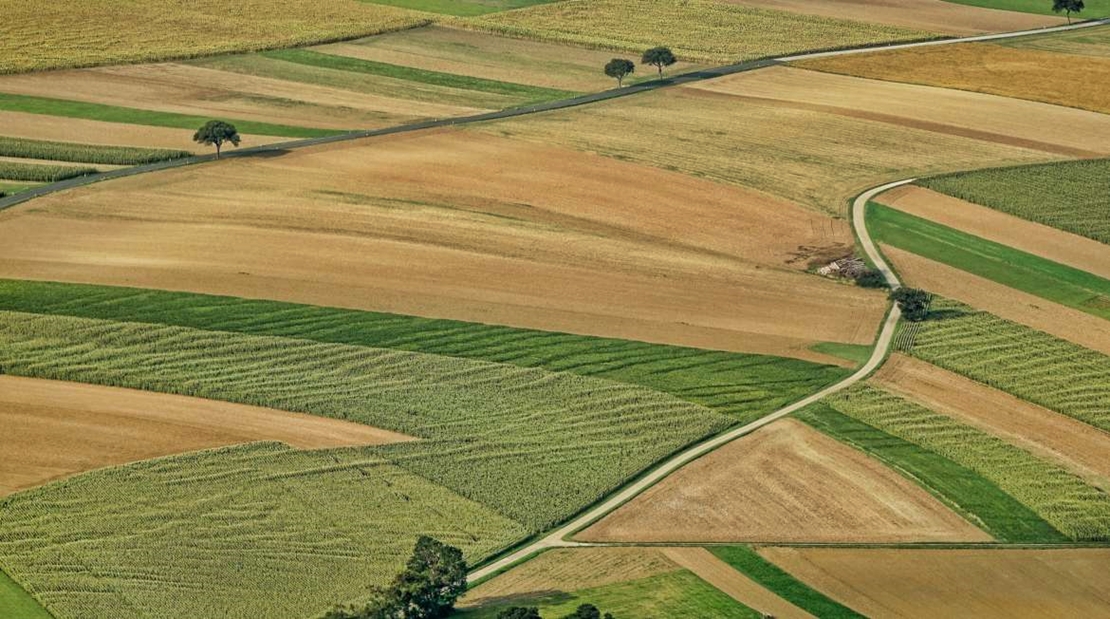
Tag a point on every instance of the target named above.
point(658, 57)
point(913, 302)
point(585, 611)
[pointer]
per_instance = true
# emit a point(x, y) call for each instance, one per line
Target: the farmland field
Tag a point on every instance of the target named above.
point(747, 561)
point(1095, 8)
point(459, 7)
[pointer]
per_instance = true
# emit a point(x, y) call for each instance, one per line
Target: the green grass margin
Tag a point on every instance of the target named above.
point(17, 603)
point(1095, 8)
point(747, 561)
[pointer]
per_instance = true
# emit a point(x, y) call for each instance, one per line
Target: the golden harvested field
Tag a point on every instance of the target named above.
point(1056, 245)
point(479, 54)
point(708, 567)
point(817, 158)
point(420, 223)
point(1002, 584)
point(52, 35)
point(1064, 322)
point(785, 483)
point(1037, 75)
point(932, 15)
point(1078, 446)
point(566, 569)
point(696, 30)
point(68, 428)
point(987, 118)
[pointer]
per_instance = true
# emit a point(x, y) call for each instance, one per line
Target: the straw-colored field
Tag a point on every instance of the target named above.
point(67, 428)
point(417, 224)
point(739, 587)
point(786, 482)
point(1002, 584)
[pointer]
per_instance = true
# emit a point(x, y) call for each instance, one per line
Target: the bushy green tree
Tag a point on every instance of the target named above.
point(1068, 7)
point(588, 611)
point(659, 57)
point(619, 68)
point(913, 302)
point(216, 133)
point(520, 612)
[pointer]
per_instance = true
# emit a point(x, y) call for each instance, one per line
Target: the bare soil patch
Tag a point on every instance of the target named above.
point(1024, 124)
point(738, 586)
point(1064, 322)
point(55, 429)
point(466, 226)
point(1038, 239)
point(786, 482)
point(956, 583)
point(1078, 446)
point(932, 15)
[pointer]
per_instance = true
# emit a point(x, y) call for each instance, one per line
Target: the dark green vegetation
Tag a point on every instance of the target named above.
point(526, 93)
point(1095, 8)
point(217, 133)
point(1010, 267)
point(674, 594)
point(741, 386)
point(1032, 365)
point(85, 153)
point(41, 173)
point(748, 562)
point(1069, 195)
point(132, 116)
point(17, 603)
point(963, 489)
point(913, 303)
point(461, 8)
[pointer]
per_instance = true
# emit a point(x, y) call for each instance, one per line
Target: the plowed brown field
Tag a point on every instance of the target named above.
point(932, 15)
point(1078, 446)
point(739, 587)
point(1002, 584)
point(786, 482)
point(1056, 245)
point(464, 226)
point(55, 429)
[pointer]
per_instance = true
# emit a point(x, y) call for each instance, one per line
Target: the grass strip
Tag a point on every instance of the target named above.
point(856, 353)
point(459, 8)
point(1010, 267)
point(437, 78)
point(132, 116)
point(85, 153)
point(967, 491)
point(41, 173)
point(748, 562)
point(17, 603)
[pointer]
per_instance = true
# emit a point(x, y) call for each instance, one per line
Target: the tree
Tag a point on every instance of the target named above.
point(619, 68)
point(520, 612)
point(871, 278)
point(588, 611)
point(913, 302)
point(215, 133)
point(1067, 6)
point(659, 57)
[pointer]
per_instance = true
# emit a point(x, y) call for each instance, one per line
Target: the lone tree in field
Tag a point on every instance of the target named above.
point(659, 57)
point(619, 68)
point(1067, 6)
point(215, 133)
point(913, 302)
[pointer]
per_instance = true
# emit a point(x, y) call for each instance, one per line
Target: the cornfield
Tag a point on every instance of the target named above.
point(85, 153)
point(41, 173)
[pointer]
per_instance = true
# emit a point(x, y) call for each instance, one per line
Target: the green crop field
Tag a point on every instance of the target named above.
point(1094, 8)
point(17, 603)
point(85, 153)
point(1076, 509)
point(1010, 267)
point(41, 173)
point(966, 491)
point(1069, 195)
point(8, 188)
point(460, 7)
point(741, 386)
point(749, 563)
point(674, 594)
point(697, 30)
point(116, 114)
point(253, 531)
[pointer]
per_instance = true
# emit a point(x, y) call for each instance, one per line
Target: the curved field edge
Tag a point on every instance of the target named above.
point(17, 602)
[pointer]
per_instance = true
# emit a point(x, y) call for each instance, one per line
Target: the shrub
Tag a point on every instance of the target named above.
point(913, 302)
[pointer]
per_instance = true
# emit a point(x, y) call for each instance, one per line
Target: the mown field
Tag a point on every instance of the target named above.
point(460, 7)
point(1094, 8)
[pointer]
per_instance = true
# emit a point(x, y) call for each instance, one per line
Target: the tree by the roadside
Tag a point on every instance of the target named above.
point(659, 57)
point(871, 278)
point(588, 611)
point(619, 68)
point(217, 133)
point(520, 612)
point(1068, 7)
point(913, 302)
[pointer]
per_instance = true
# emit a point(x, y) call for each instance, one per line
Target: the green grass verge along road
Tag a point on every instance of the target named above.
point(1094, 8)
point(17, 603)
point(748, 562)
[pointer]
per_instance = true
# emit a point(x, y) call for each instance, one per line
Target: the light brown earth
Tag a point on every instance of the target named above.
point(1077, 446)
point(1037, 75)
point(991, 583)
point(1025, 124)
point(708, 567)
point(785, 483)
point(49, 162)
point(570, 569)
point(54, 429)
point(185, 89)
point(1045, 241)
point(466, 226)
point(932, 15)
point(1064, 322)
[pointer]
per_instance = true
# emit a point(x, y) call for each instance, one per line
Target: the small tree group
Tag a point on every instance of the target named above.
point(433, 578)
point(1067, 6)
point(658, 57)
point(585, 611)
point(913, 302)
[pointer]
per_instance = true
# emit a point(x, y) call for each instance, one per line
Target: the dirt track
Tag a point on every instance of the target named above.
point(67, 428)
point(786, 483)
point(738, 586)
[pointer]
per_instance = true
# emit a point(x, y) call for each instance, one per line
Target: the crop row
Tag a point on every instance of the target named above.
point(39, 173)
point(535, 445)
point(1032, 365)
point(85, 153)
point(251, 531)
point(1080, 511)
